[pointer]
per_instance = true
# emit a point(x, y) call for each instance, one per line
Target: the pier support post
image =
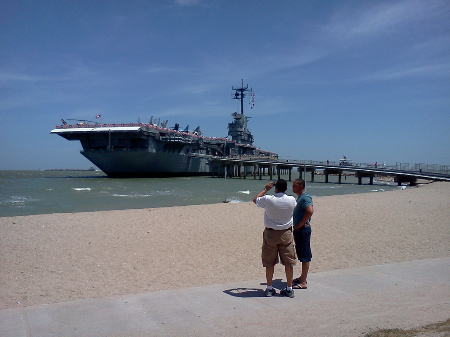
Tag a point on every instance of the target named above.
point(369, 175)
point(312, 175)
point(329, 171)
point(405, 179)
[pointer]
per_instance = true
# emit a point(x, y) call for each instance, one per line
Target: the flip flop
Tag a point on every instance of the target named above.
point(299, 286)
point(297, 280)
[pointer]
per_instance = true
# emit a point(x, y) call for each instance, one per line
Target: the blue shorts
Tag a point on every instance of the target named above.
point(302, 238)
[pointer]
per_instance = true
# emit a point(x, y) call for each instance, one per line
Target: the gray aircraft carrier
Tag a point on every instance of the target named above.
point(153, 150)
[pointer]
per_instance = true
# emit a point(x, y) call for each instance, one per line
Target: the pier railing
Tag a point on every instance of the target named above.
point(417, 167)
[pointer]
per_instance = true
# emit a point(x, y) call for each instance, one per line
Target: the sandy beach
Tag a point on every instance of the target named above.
point(55, 258)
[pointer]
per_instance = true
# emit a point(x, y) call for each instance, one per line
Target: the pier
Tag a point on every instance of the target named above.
point(257, 167)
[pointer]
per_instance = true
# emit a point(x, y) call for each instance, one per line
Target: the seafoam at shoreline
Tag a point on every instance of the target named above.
point(36, 192)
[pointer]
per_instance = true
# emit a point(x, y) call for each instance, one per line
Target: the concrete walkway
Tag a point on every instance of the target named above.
point(347, 302)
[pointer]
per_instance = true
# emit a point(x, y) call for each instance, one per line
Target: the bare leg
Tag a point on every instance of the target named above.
point(289, 274)
point(269, 275)
point(305, 269)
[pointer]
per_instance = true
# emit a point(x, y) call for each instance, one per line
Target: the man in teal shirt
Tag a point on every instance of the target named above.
point(302, 230)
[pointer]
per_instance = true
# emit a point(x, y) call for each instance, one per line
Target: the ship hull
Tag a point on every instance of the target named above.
point(146, 164)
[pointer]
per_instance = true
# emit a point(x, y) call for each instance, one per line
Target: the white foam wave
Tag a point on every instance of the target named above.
point(17, 201)
point(234, 200)
point(325, 187)
point(132, 195)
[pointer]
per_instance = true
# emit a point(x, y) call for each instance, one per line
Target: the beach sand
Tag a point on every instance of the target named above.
point(54, 258)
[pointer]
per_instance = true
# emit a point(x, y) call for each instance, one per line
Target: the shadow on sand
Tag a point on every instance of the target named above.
point(278, 284)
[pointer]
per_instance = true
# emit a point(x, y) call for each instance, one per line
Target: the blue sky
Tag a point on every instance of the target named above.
point(365, 79)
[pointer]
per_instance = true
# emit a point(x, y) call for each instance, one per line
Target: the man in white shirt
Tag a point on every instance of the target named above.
point(278, 240)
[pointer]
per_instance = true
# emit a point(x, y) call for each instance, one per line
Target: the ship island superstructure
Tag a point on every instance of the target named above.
point(153, 150)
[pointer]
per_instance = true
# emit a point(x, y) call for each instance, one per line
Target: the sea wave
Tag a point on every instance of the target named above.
point(17, 201)
point(132, 195)
point(234, 200)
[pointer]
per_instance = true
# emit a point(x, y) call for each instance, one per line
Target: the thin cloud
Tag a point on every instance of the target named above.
point(216, 66)
point(6, 78)
point(13, 77)
point(435, 70)
point(381, 19)
point(187, 2)
point(62, 68)
point(163, 69)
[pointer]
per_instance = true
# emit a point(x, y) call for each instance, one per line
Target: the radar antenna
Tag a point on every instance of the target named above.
point(239, 93)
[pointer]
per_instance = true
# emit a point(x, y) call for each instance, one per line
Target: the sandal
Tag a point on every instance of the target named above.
point(299, 286)
point(296, 280)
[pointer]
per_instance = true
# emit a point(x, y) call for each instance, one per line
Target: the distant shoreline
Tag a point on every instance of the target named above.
point(90, 169)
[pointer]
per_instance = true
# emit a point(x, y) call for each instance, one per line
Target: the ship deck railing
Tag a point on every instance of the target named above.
point(145, 127)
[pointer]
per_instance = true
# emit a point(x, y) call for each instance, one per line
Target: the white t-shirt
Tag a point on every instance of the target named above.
point(278, 210)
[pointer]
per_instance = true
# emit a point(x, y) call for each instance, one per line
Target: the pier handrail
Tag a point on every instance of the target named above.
point(406, 167)
point(421, 170)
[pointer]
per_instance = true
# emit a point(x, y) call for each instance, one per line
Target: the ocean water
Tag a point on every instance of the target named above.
point(42, 192)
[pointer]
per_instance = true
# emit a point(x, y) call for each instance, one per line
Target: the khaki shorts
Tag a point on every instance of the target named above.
point(278, 245)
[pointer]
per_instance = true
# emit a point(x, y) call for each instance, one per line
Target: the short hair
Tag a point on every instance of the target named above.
point(281, 185)
point(300, 182)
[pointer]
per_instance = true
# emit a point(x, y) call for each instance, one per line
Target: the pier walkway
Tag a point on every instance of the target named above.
point(347, 302)
point(257, 166)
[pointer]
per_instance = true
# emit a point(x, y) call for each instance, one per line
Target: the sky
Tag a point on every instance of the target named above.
point(366, 79)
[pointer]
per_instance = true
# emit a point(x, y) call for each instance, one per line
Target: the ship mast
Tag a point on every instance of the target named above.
point(240, 94)
point(238, 128)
